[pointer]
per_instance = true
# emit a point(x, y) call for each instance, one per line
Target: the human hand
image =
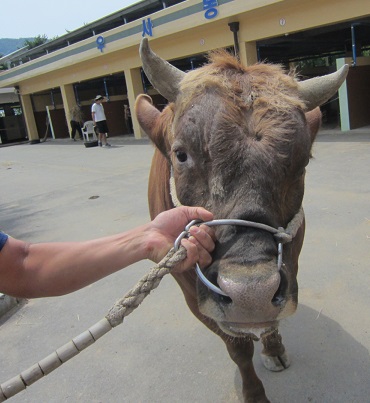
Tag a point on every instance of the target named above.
point(168, 225)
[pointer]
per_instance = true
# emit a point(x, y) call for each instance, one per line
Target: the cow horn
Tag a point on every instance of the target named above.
point(164, 77)
point(318, 90)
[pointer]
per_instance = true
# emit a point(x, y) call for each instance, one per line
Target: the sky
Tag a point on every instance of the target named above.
point(30, 18)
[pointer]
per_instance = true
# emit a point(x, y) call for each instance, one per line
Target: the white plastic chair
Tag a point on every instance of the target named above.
point(89, 130)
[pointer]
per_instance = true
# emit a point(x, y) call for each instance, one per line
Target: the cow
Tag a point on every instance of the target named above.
point(236, 140)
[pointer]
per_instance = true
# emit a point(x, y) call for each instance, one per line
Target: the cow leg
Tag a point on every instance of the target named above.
point(274, 356)
point(241, 352)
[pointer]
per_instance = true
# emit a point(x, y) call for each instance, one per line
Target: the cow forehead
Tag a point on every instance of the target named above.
point(223, 95)
point(242, 85)
point(246, 118)
point(216, 124)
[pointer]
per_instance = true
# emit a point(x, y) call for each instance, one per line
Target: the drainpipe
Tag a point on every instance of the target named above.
point(192, 60)
point(353, 38)
point(234, 28)
point(52, 98)
point(106, 89)
point(143, 81)
point(75, 90)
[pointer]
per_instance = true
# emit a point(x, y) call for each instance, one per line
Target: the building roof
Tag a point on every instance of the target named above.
point(131, 13)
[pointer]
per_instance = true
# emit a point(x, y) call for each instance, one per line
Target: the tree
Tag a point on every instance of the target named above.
point(37, 41)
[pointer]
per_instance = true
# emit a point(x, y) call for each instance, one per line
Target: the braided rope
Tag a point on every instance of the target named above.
point(175, 200)
point(122, 308)
point(286, 235)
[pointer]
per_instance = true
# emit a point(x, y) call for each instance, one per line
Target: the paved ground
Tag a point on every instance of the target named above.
point(162, 353)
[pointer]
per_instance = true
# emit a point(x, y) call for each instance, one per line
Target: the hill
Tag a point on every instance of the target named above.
point(9, 45)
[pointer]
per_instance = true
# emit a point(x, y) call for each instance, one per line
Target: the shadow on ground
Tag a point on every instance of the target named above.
point(319, 349)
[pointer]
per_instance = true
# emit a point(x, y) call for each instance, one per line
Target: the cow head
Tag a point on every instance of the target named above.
point(238, 140)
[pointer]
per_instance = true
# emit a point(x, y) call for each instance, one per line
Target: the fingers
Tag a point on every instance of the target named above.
point(204, 239)
point(192, 256)
point(204, 235)
point(199, 247)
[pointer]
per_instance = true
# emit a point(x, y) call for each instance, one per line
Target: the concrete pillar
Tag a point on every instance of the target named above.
point(248, 53)
point(29, 117)
point(134, 88)
point(69, 101)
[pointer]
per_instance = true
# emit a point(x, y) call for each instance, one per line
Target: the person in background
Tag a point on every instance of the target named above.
point(33, 270)
point(76, 122)
point(128, 119)
point(100, 121)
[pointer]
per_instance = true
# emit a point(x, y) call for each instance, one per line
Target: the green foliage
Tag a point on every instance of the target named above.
point(315, 62)
point(37, 41)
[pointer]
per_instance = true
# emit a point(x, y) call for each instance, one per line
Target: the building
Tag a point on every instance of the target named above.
point(12, 127)
point(313, 36)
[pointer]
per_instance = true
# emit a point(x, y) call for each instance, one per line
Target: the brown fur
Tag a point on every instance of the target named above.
point(247, 142)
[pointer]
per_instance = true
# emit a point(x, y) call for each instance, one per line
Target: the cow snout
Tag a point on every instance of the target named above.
point(255, 293)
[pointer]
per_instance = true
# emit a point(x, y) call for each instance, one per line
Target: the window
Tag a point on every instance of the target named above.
point(17, 110)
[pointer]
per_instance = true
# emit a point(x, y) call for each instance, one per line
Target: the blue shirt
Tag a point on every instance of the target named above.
point(3, 239)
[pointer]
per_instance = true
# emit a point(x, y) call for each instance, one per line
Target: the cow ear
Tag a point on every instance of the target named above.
point(146, 113)
point(314, 122)
point(153, 123)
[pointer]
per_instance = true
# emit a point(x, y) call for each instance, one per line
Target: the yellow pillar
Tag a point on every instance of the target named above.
point(69, 101)
point(248, 53)
point(29, 117)
point(134, 88)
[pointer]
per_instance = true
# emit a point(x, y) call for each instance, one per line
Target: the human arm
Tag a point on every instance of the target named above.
point(48, 269)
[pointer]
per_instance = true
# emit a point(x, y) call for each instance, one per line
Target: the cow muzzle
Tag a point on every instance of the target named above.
point(257, 296)
point(281, 236)
point(248, 300)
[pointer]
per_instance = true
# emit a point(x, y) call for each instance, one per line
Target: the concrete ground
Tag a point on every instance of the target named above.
point(161, 353)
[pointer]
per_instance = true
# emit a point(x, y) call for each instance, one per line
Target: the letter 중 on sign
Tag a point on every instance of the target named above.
point(210, 7)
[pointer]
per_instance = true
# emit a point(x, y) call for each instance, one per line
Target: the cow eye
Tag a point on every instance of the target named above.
point(181, 156)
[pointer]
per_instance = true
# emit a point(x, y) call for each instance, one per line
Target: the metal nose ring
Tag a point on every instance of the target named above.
point(207, 283)
point(244, 223)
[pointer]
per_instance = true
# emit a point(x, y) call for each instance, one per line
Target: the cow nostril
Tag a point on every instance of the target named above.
point(220, 298)
point(279, 296)
point(223, 299)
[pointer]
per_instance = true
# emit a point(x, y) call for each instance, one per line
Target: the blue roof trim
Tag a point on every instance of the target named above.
point(158, 21)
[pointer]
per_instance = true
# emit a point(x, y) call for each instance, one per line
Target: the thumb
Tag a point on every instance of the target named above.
point(198, 213)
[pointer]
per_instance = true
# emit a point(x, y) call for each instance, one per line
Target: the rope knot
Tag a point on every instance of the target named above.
point(282, 236)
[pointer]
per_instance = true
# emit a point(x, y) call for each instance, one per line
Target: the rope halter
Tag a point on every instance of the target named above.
point(280, 234)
